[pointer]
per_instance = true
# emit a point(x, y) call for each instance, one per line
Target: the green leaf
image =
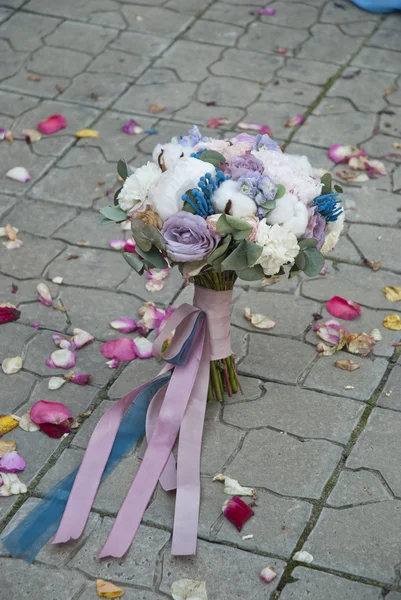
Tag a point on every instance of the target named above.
point(268, 204)
point(123, 169)
point(314, 262)
point(280, 191)
point(238, 224)
point(114, 214)
point(134, 261)
point(146, 236)
point(212, 157)
point(222, 226)
point(338, 188)
point(220, 252)
point(300, 260)
point(104, 221)
point(307, 243)
point(237, 259)
point(115, 199)
point(153, 257)
point(253, 251)
point(327, 181)
point(240, 235)
point(251, 273)
point(294, 271)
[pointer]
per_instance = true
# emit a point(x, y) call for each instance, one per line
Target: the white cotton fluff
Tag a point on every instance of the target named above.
point(172, 152)
point(300, 162)
point(241, 204)
point(290, 213)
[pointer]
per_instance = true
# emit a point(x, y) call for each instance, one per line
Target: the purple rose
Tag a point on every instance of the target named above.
point(240, 166)
point(187, 237)
point(316, 226)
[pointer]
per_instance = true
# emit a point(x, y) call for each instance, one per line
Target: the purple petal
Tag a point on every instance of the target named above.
point(132, 127)
point(12, 462)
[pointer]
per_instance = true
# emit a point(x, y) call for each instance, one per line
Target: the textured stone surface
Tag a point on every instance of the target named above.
point(358, 487)
point(378, 242)
point(390, 396)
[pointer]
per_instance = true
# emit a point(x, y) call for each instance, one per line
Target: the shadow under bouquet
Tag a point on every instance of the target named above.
point(226, 209)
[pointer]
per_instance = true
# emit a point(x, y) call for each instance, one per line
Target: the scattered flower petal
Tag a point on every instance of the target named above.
point(281, 50)
point(7, 446)
point(258, 320)
point(13, 245)
point(78, 378)
point(296, 120)
point(34, 78)
point(44, 296)
point(113, 363)
point(237, 512)
point(19, 174)
point(343, 308)
point(35, 325)
point(52, 124)
point(2, 133)
point(218, 122)
point(188, 589)
point(253, 126)
point(390, 90)
point(8, 313)
point(7, 423)
point(12, 462)
point(9, 232)
point(52, 417)
point(330, 331)
point(121, 349)
point(11, 485)
point(374, 167)
point(62, 359)
point(303, 556)
point(117, 244)
point(341, 153)
point(268, 574)
point(27, 424)
point(31, 135)
point(392, 322)
point(105, 589)
point(325, 350)
point(142, 347)
point(154, 285)
point(266, 11)
point(360, 343)
point(12, 365)
point(55, 383)
point(87, 133)
point(355, 177)
point(61, 341)
point(347, 364)
point(123, 324)
point(57, 279)
point(232, 487)
point(156, 108)
point(132, 127)
point(152, 317)
point(376, 335)
point(158, 274)
point(397, 145)
point(392, 293)
point(375, 265)
point(81, 338)
point(351, 75)
point(247, 537)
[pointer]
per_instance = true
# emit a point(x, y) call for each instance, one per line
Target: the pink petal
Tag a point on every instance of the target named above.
point(44, 296)
point(117, 244)
point(141, 329)
point(132, 127)
point(44, 411)
point(113, 363)
point(31, 135)
point(12, 462)
point(343, 308)
point(268, 574)
point(341, 153)
point(52, 124)
point(266, 11)
point(253, 126)
point(129, 246)
point(218, 122)
point(281, 50)
point(35, 325)
point(158, 274)
point(375, 167)
point(78, 378)
point(122, 349)
point(81, 338)
point(62, 342)
point(143, 347)
point(62, 359)
point(237, 512)
point(296, 120)
point(151, 316)
point(19, 174)
point(124, 325)
point(154, 285)
point(8, 313)
point(2, 133)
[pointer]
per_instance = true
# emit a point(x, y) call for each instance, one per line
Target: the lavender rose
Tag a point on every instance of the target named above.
point(241, 165)
point(316, 227)
point(187, 237)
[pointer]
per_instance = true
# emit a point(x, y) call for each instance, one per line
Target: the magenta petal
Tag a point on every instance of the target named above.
point(81, 338)
point(62, 359)
point(122, 349)
point(343, 308)
point(113, 363)
point(52, 124)
point(237, 512)
point(2, 133)
point(81, 378)
point(266, 11)
point(56, 430)
point(296, 120)
point(123, 324)
point(254, 126)
point(8, 313)
point(132, 127)
point(129, 246)
point(341, 153)
point(218, 122)
point(12, 462)
point(44, 411)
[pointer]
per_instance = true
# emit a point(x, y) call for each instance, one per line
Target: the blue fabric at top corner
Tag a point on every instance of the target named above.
point(378, 6)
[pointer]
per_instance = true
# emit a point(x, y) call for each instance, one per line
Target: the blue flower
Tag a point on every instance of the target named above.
point(194, 137)
point(208, 185)
point(265, 141)
point(329, 206)
point(258, 187)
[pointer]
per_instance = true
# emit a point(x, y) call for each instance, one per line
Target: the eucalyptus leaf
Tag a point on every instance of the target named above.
point(134, 261)
point(115, 199)
point(300, 260)
point(307, 243)
point(222, 226)
point(123, 169)
point(280, 191)
point(268, 204)
point(153, 257)
point(219, 252)
point(327, 182)
point(338, 188)
point(237, 259)
point(294, 271)
point(104, 221)
point(146, 235)
point(314, 262)
point(114, 214)
point(253, 251)
point(251, 273)
point(212, 157)
point(241, 235)
point(238, 224)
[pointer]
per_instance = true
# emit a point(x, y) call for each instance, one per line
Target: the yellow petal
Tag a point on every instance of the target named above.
point(7, 446)
point(7, 423)
point(392, 293)
point(87, 133)
point(392, 322)
point(105, 589)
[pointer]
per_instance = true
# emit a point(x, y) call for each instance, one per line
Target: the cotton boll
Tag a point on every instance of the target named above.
point(290, 213)
point(228, 196)
point(300, 162)
point(168, 154)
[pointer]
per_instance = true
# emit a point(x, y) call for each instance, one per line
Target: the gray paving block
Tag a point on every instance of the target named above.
point(31, 259)
point(139, 43)
point(172, 95)
point(155, 20)
point(114, 61)
point(313, 585)
point(135, 374)
point(251, 390)
point(226, 91)
point(85, 228)
point(378, 242)
point(357, 487)
point(378, 60)
point(45, 316)
point(6, 203)
point(360, 91)
point(385, 38)
point(100, 92)
point(265, 38)
point(15, 390)
point(311, 71)
point(295, 92)
point(209, 32)
point(89, 593)
point(45, 87)
point(289, 408)
point(188, 7)
point(34, 27)
point(225, 12)
point(81, 37)
point(18, 154)
point(292, 14)
point(57, 61)
point(344, 250)
point(283, 464)
point(327, 44)
point(39, 218)
point(390, 396)
point(275, 114)
point(322, 131)
point(77, 398)
point(362, 205)
point(135, 284)
point(247, 65)
point(212, 563)
point(11, 61)
point(332, 14)
point(199, 112)
point(219, 442)
point(176, 57)
point(363, 540)
point(74, 9)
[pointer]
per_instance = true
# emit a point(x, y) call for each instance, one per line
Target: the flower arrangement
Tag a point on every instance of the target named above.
point(227, 209)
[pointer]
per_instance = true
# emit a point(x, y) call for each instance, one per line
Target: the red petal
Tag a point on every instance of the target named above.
point(343, 308)
point(8, 313)
point(237, 512)
point(52, 124)
point(56, 430)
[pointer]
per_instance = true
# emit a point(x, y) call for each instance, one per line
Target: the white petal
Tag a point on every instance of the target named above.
point(188, 589)
point(11, 485)
point(232, 487)
point(19, 174)
point(12, 365)
point(57, 279)
point(154, 285)
point(26, 424)
point(55, 383)
point(13, 244)
point(376, 335)
point(303, 556)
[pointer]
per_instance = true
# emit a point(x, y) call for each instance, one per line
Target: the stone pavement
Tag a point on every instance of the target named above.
point(322, 446)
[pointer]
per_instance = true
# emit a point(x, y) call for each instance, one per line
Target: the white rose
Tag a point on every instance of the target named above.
point(165, 195)
point(169, 154)
point(136, 187)
point(279, 245)
point(333, 232)
point(289, 212)
point(241, 204)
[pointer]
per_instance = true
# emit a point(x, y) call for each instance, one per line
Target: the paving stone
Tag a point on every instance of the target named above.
point(360, 91)
point(310, 71)
point(265, 360)
point(46, 317)
point(327, 44)
point(390, 125)
point(247, 65)
point(45, 87)
point(390, 396)
point(39, 581)
point(176, 57)
point(155, 76)
point(393, 596)
point(322, 131)
point(358, 28)
point(172, 95)
point(379, 60)
point(278, 115)
point(57, 61)
point(251, 390)
point(299, 16)
point(39, 218)
point(331, 14)
point(18, 153)
point(212, 563)
point(83, 434)
point(365, 541)
point(201, 113)
point(74, 9)
point(100, 92)
point(378, 242)
point(380, 146)
point(139, 43)
point(266, 38)
point(107, 307)
point(296, 92)
point(218, 444)
point(113, 61)
point(324, 376)
point(11, 61)
point(362, 205)
point(385, 38)
point(209, 32)
point(26, 292)
point(138, 564)
point(5, 14)
point(31, 259)
point(345, 250)
point(227, 14)
point(15, 390)
point(357, 487)
point(81, 37)
point(84, 227)
point(6, 202)
point(313, 585)
point(397, 180)
point(90, 593)
point(155, 20)
point(226, 91)
point(289, 408)
point(290, 467)
point(187, 7)
point(111, 18)
point(34, 28)
point(77, 398)
point(135, 284)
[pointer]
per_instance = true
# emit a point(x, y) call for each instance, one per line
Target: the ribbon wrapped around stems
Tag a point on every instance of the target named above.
point(170, 405)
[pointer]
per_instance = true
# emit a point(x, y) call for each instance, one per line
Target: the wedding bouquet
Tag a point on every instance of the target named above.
point(222, 210)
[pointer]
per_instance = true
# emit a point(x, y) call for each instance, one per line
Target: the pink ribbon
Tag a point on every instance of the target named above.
point(177, 409)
